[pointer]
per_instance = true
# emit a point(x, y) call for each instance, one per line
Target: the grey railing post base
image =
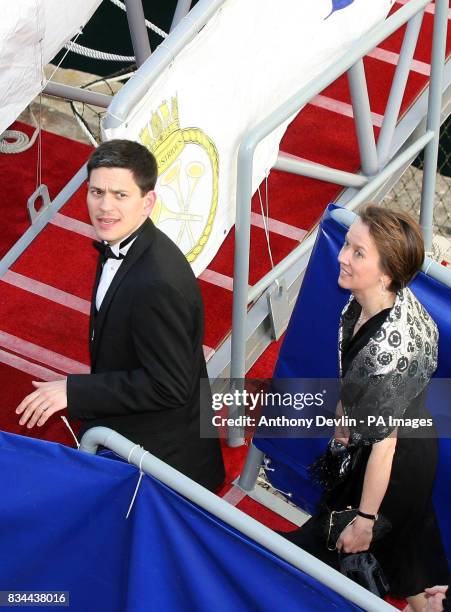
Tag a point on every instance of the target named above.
point(279, 308)
point(249, 475)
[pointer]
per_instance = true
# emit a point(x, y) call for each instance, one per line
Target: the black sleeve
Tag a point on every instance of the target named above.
point(447, 600)
point(162, 323)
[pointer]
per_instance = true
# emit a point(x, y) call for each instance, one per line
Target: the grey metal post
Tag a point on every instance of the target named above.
point(78, 94)
point(362, 118)
point(181, 10)
point(232, 516)
point(241, 261)
point(241, 274)
point(433, 120)
point(138, 30)
point(397, 89)
point(296, 165)
point(249, 475)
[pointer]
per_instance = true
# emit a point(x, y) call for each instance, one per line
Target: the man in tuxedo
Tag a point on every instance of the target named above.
point(146, 327)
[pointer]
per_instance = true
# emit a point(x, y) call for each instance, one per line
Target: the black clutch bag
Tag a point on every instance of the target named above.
point(338, 520)
point(364, 569)
point(334, 464)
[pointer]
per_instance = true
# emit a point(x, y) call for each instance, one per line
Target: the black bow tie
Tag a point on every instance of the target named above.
point(106, 252)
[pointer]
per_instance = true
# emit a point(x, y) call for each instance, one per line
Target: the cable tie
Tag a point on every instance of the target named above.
point(138, 484)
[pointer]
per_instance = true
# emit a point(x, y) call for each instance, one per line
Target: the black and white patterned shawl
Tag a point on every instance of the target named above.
point(391, 370)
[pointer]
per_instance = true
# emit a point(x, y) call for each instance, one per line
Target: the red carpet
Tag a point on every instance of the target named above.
point(44, 299)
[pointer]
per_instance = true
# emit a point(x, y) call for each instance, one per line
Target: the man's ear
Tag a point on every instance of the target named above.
point(149, 202)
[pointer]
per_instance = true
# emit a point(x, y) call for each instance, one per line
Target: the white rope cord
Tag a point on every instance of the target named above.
point(150, 25)
point(39, 156)
point(132, 451)
point(98, 55)
point(66, 423)
point(111, 57)
point(44, 83)
point(265, 216)
point(141, 474)
point(20, 141)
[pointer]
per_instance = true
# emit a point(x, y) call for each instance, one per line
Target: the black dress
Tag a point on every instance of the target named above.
point(411, 555)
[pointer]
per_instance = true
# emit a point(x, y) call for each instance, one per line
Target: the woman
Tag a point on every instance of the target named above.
point(388, 352)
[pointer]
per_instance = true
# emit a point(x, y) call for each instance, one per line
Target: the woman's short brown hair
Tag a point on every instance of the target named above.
point(399, 242)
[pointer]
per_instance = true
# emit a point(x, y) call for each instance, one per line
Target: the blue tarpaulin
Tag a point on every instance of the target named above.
point(63, 528)
point(310, 351)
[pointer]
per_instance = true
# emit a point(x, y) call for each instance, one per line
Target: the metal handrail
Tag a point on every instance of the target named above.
point(191, 490)
point(367, 190)
point(243, 294)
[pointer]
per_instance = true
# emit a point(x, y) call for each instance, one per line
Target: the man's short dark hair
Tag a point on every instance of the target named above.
point(130, 155)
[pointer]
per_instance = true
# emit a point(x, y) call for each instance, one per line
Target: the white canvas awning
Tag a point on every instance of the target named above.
point(31, 33)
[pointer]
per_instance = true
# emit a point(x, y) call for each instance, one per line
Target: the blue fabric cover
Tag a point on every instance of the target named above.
point(63, 527)
point(310, 350)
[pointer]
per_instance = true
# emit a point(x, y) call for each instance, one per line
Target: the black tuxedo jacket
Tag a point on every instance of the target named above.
point(147, 359)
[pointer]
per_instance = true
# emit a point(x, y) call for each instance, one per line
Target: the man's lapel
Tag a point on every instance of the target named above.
point(141, 243)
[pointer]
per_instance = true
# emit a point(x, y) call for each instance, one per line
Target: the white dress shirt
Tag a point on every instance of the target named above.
point(110, 267)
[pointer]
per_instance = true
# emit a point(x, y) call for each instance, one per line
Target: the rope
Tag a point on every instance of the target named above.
point(265, 216)
point(61, 60)
point(66, 423)
point(98, 55)
point(150, 25)
point(20, 141)
point(132, 451)
point(111, 57)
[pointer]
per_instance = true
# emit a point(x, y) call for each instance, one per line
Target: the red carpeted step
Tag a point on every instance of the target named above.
point(379, 86)
point(423, 48)
point(43, 322)
point(62, 259)
point(61, 158)
point(13, 393)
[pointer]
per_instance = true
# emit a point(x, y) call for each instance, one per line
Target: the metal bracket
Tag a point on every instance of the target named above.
point(279, 308)
point(43, 193)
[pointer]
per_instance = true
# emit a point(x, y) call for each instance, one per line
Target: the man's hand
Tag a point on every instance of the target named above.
point(357, 536)
point(49, 397)
point(435, 596)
